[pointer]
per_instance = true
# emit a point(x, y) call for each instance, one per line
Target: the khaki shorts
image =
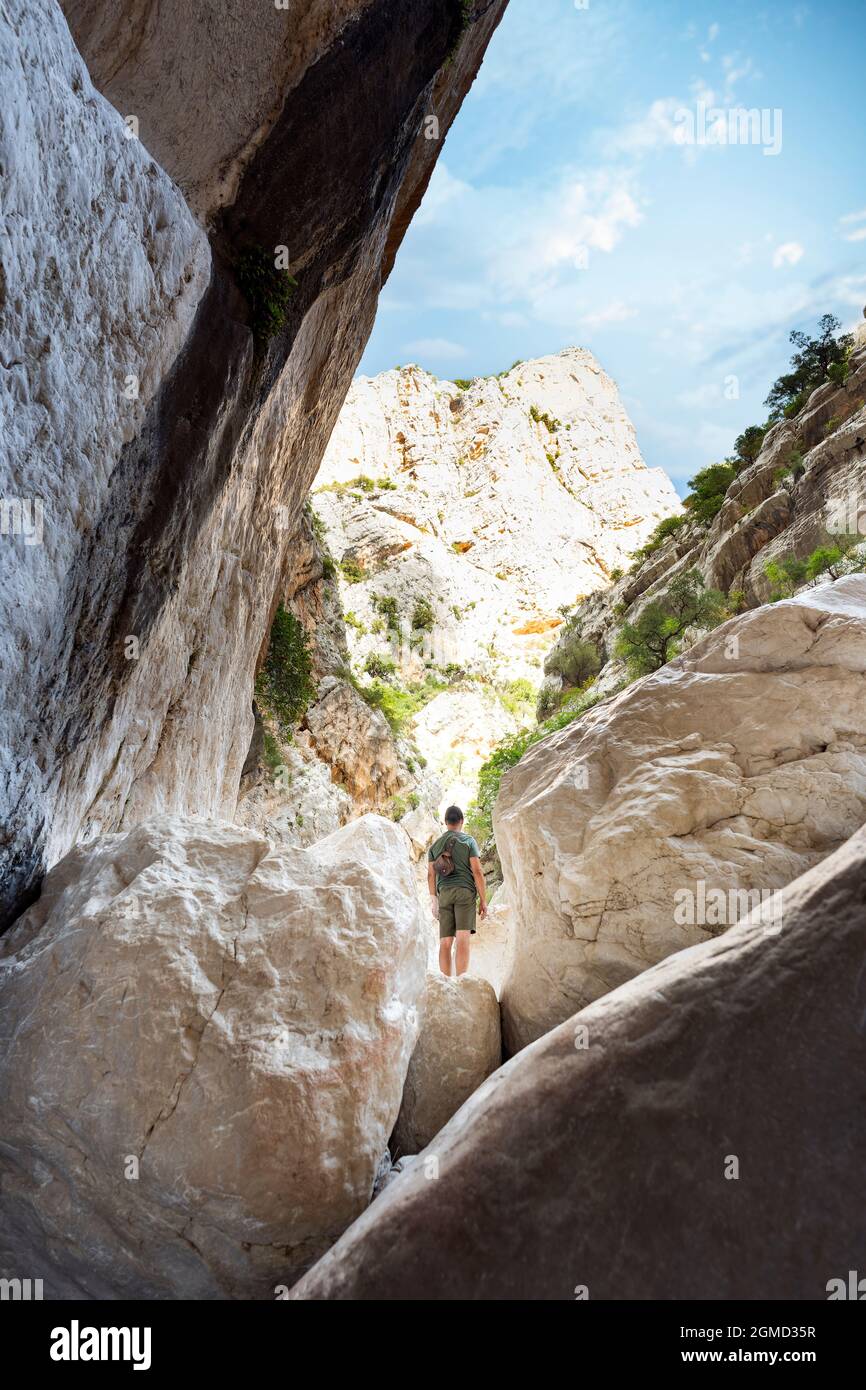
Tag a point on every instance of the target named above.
point(456, 910)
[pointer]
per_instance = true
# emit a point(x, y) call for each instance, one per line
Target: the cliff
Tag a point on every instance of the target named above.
point(167, 393)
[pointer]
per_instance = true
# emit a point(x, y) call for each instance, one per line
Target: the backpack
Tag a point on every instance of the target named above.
point(444, 862)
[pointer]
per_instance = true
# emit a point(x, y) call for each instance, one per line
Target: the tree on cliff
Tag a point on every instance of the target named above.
point(653, 639)
point(811, 365)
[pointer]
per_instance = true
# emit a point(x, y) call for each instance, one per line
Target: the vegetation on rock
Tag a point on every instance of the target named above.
point(267, 290)
point(285, 686)
point(654, 638)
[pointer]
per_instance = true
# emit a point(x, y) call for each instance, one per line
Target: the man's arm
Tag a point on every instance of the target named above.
point(475, 866)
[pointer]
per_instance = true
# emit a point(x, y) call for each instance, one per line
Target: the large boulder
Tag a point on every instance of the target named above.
point(203, 1043)
point(457, 1049)
point(656, 820)
point(700, 1133)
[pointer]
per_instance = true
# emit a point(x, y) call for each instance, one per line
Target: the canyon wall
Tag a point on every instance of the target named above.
point(163, 447)
point(462, 519)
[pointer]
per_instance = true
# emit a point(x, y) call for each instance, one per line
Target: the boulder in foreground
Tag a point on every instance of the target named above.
point(699, 1133)
point(659, 818)
point(457, 1049)
point(203, 1043)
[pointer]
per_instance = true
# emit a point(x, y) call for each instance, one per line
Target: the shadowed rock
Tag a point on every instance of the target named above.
point(601, 1170)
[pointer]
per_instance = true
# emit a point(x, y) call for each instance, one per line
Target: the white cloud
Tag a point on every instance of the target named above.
point(789, 253)
point(858, 233)
point(437, 349)
point(443, 189)
point(615, 312)
point(654, 130)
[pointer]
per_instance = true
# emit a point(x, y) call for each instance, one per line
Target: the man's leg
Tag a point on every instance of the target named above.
point(446, 934)
point(463, 941)
point(445, 944)
point(464, 922)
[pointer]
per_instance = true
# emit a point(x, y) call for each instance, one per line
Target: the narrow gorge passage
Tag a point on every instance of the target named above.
point(433, 850)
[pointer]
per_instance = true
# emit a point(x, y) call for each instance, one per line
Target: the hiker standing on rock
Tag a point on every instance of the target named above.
point(454, 878)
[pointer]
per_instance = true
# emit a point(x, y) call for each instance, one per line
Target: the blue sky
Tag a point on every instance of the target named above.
point(569, 208)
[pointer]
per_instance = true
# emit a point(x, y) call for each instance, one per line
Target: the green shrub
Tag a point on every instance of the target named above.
point(747, 446)
point(352, 571)
point(518, 697)
point(827, 559)
point(574, 658)
point(793, 469)
point(463, 382)
point(838, 372)
point(653, 639)
point(272, 754)
point(285, 683)
point(379, 666)
point(399, 705)
point(386, 485)
point(352, 620)
point(795, 405)
point(708, 489)
point(811, 365)
point(386, 606)
point(402, 805)
point(329, 569)
point(541, 417)
point(737, 601)
point(423, 617)
point(668, 526)
point(266, 289)
point(616, 573)
point(785, 576)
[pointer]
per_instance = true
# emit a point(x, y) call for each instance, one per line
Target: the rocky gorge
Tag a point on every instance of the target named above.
point(260, 621)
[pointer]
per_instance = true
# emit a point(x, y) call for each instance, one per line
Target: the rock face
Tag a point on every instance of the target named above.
point(457, 1049)
point(704, 1097)
point(806, 487)
point(172, 451)
point(358, 742)
point(204, 1043)
point(730, 771)
point(475, 514)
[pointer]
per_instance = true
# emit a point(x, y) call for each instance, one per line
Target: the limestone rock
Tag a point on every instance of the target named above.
point(457, 1049)
point(475, 514)
point(132, 633)
point(356, 742)
point(295, 802)
point(237, 1019)
point(805, 488)
point(492, 943)
point(604, 1170)
point(143, 46)
point(738, 766)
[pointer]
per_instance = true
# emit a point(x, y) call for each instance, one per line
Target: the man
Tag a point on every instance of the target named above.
point(452, 896)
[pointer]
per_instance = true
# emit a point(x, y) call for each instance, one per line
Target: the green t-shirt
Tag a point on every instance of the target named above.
point(465, 849)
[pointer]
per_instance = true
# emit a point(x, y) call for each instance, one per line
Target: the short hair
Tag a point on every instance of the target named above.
point(453, 815)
